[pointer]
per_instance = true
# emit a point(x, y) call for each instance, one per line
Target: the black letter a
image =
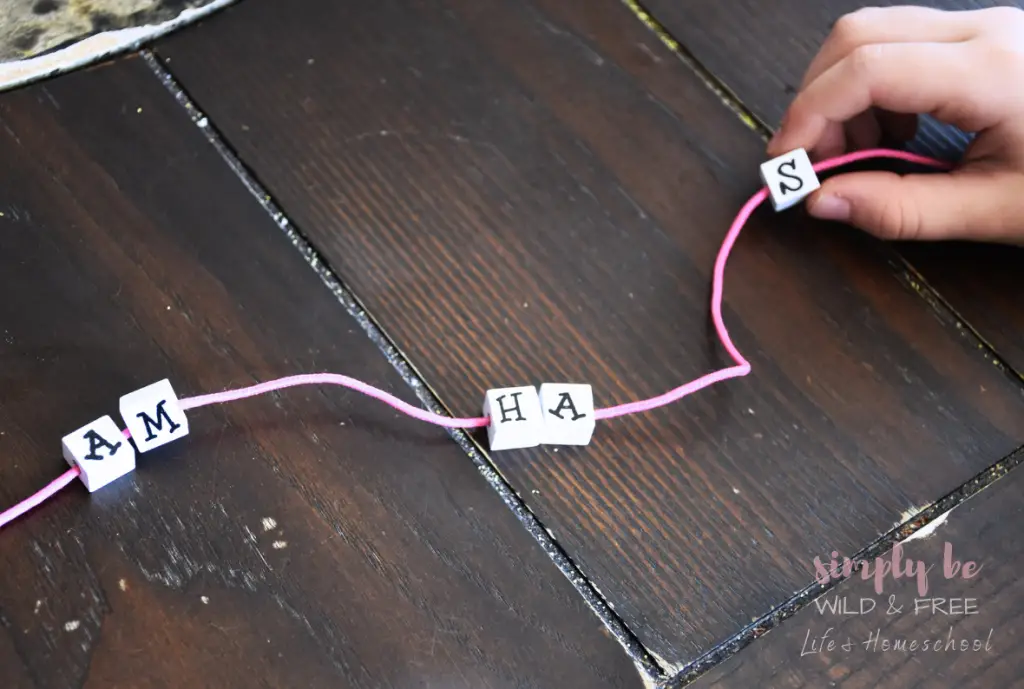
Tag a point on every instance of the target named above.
point(96, 441)
point(158, 424)
point(565, 401)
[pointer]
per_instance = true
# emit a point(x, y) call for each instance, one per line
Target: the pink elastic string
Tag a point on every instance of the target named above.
point(330, 379)
point(9, 515)
point(741, 368)
point(12, 513)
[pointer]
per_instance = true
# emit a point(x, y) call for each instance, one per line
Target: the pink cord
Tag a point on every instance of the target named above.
point(741, 368)
point(330, 379)
point(25, 505)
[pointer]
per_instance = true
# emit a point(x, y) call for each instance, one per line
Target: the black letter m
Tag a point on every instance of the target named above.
point(158, 424)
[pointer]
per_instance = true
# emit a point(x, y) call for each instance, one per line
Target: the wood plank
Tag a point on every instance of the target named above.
point(760, 51)
point(962, 631)
point(524, 192)
point(312, 537)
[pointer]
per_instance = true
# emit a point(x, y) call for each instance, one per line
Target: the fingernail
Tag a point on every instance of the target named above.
point(830, 208)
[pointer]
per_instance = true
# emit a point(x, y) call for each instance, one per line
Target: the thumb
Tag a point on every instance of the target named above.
point(963, 204)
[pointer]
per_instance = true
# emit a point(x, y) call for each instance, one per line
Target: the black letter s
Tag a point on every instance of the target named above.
point(783, 187)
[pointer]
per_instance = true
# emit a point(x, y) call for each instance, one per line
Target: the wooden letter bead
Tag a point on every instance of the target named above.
point(568, 413)
point(790, 179)
point(101, 451)
point(515, 418)
point(153, 416)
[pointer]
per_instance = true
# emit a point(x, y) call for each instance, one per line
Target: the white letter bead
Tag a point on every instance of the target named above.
point(515, 418)
point(568, 413)
point(790, 179)
point(153, 416)
point(101, 451)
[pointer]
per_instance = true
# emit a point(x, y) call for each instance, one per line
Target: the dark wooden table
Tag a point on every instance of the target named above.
point(440, 197)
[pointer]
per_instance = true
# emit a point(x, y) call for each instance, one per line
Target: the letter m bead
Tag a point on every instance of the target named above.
point(153, 416)
point(515, 418)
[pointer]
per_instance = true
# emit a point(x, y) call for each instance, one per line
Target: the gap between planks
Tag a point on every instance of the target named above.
point(652, 674)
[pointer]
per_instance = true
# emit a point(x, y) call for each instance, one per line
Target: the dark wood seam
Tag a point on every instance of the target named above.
point(646, 663)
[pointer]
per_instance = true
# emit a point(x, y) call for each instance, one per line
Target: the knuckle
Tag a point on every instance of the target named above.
point(853, 26)
point(1002, 26)
point(1004, 15)
point(865, 59)
point(898, 221)
point(849, 28)
point(1003, 56)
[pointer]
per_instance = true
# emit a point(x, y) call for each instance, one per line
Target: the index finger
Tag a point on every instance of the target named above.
point(903, 24)
point(913, 78)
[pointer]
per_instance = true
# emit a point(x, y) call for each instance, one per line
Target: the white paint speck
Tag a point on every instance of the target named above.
point(39, 604)
point(736, 490)
point(907, 515)
point(122, 584)
point(278, 545)
point(269, 523)
point(205, 600)
point(750, 411)
point(929, 528)
point(203, 123)
point(72, 625)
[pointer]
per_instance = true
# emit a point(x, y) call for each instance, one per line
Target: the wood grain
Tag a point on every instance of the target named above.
point(966, 629)
point(308, 538)
point(759, 51)
point(524, 192)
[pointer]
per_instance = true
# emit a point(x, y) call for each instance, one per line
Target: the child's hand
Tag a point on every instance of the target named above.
point(876, 72)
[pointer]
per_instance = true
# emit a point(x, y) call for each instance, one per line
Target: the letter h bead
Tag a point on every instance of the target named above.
point(790, 179)
point(515, 418)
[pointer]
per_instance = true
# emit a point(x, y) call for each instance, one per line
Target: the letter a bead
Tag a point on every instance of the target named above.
point(568, 413)
point(100, 451)
point(515, 418)
point(790, 179)
point(153, 416)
